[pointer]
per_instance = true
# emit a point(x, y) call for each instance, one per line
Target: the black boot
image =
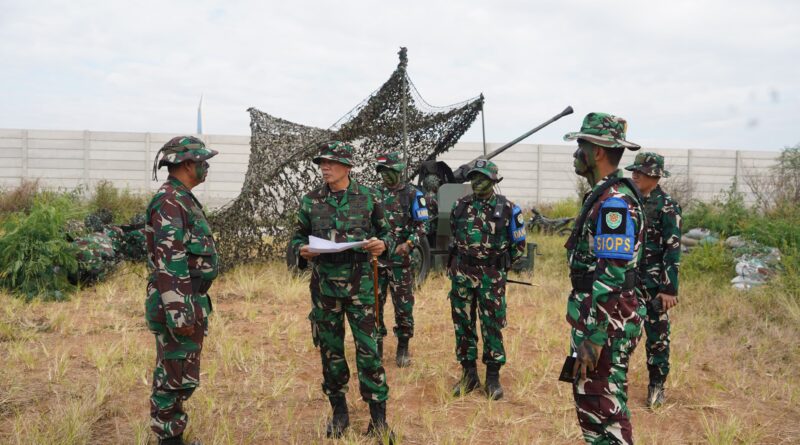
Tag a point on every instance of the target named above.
point(177, 440)
point(655, 394)
point(380, 348)
point(340, 419)
point(469, 379)
point(493, 388)
point(403, 358)
point(377, 423)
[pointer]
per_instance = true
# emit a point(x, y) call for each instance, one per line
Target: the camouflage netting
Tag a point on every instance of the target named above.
point(258, 223)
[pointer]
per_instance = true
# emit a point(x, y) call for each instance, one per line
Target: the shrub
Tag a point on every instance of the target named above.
point(708, 261)
point(35, 257)
point(565, 208)
point(20, 198)
point(122, 204)
point(726, 215)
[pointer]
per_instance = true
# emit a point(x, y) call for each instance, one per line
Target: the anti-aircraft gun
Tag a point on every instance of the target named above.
point(433, 252)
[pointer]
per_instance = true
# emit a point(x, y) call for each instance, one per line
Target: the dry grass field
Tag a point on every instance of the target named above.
point(78, 372)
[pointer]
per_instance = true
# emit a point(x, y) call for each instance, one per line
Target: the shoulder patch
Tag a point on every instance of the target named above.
point(615, 237)
point(516, 228)
point(419, 208)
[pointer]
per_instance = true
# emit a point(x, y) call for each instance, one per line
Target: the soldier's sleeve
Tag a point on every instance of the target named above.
point(419, 217)
point(671, 259)
point(171, 264)
point(516, 233)
point(617, 225)
point(383, 231)
point(302, 225)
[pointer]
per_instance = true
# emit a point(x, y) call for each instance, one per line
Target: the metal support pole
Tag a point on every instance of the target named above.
point(483, 130)
point(405, 126)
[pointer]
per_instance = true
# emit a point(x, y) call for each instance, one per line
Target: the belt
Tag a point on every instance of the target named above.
point(346, 257)
point(472, 261)
point(583, 281)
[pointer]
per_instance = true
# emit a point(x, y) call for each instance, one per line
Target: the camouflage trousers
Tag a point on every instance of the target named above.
point(601, 400)
point(489, 300)
point(400, 281)
point(327, 330)
point(176, 375)
point(657, 329)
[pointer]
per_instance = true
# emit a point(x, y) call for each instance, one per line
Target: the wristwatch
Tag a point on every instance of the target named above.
point(410, 244)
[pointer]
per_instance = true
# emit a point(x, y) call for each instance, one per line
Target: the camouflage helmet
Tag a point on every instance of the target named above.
point(335, 151)
point(649, 163)
point(486, 168)
point(391, 161)
point(605, 130)
point(180, 149)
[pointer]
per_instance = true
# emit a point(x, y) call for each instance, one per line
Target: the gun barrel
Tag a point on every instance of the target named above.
point(461, 172)
point(567, 111)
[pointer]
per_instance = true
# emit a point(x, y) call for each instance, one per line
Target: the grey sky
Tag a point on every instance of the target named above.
point(689, 74)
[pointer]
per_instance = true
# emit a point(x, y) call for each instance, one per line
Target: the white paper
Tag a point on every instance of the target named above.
point(320, 245)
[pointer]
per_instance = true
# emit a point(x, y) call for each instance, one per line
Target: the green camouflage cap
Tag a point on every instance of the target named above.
point(486, 168)
point(185, 148)
point(391, 161)
point(180, 149)
point(335, 151)
point(605, 130)
point(651, 164)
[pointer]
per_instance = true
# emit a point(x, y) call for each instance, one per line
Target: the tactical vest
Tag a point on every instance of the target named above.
point(358, 216)
point(497, 214)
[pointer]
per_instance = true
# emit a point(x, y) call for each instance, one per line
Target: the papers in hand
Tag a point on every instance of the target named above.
point(319, 245)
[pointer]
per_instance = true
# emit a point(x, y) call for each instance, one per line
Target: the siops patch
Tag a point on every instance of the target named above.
point(615, 237)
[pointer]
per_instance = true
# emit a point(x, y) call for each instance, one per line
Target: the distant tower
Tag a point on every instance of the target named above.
point(200, 116)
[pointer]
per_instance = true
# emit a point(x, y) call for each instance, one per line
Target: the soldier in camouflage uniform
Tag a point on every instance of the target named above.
point(488, 236)
point(405, 211)
point(431, 185)
point(183, 262)
point(658, 271)
point(603, 308)
point(342, 210)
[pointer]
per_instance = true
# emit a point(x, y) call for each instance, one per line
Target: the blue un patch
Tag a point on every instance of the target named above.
point(516, 230)
point(419, 209)
point(615, 237)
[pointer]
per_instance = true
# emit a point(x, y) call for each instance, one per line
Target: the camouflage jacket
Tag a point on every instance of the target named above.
point(662, 248)
point(355, 216)
point(406, 212)
point(479, 235)
point(433, 212)
point(609, 247)
point(180, 250)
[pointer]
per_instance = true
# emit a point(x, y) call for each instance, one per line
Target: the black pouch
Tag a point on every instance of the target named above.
point(566, 370)
point(655, 306)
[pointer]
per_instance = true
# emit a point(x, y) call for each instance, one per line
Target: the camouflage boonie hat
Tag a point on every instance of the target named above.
point(605, 130)
point(486, 168)
point(391, 161)
point(180, 149)
point(335, 151)
point(649, 163)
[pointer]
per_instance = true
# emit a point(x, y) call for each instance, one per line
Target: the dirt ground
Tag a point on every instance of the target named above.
point(79, 372)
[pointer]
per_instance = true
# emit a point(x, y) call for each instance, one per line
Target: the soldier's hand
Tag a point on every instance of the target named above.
point(588, 355)
point(375, 246)
point(402, 249)
point(186, 331)
point(668, 301)
point(306, 253)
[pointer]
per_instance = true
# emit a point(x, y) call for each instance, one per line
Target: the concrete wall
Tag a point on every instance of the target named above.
point(534, 174)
